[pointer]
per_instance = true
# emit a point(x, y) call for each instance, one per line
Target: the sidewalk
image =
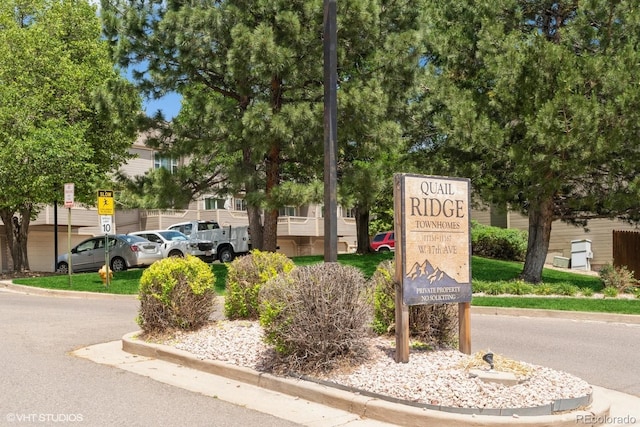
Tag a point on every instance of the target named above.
point(278, 404)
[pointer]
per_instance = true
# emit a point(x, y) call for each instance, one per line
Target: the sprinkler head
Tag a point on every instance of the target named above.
point(489, 359)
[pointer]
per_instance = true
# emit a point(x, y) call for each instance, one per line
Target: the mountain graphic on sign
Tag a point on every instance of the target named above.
point(425, 273)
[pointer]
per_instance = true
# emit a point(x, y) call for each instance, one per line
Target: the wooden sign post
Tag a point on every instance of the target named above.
point(433, 250)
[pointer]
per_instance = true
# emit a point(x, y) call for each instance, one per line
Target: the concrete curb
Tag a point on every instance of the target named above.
point(557, 314)
point(363, 406)
point(32, 290)
point(501, 311)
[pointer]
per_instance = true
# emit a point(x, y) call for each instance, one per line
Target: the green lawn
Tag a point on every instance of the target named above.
point(124, 282)
point(484, 271)
point(617, 306)
point(492, 270)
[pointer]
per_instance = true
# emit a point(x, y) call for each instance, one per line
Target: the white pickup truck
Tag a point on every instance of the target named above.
point(228, 242)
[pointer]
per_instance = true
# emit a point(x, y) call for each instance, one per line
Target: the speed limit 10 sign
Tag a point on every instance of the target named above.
point(106, 224)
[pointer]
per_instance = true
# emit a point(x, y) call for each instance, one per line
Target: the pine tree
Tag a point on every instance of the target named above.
point(251, 77)
point(538, 102)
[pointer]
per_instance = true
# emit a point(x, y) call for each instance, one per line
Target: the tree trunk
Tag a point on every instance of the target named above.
point(362, 230)
point(270, 238)
point(23, 233)
point(255, 227)
point(16, 226)
point(7, 219)
point(540, 219)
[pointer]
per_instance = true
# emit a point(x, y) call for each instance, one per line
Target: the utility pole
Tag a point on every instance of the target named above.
point(330, 132)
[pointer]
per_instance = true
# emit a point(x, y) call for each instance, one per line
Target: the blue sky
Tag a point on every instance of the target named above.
point(168, 104)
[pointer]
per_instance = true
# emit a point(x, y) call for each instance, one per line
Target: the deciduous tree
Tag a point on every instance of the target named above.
point(59, 118)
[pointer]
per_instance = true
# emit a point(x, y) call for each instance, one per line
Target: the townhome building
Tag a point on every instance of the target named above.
point(567, 241)
point(300, 228)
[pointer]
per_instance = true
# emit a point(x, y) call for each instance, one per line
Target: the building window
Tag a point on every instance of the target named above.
point(288, 211)
point(211, 203)
point(168, 163)
point(347, 212)
point(342, 212)
point(240, 204)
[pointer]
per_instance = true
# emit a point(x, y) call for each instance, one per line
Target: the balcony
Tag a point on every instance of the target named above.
point(312, 227)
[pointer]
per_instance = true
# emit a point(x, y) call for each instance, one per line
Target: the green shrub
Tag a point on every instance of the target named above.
point(495, 288)
point(498, 243)
point(518, 287)
point(383, 297)
point(317, 317)
point(245, 276)
point(480, 286)
point(543, 289)
point(432, 324)
point(176, 293)
point(610, 292)
point(565, 289)
point(619, 278)
point(586, 292)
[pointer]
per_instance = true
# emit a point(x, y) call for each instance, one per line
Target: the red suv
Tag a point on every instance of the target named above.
point(383, 242)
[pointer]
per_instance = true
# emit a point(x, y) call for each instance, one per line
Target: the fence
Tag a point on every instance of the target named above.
point(626, 250)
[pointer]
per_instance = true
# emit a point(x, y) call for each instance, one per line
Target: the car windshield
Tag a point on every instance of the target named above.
point(174, 236)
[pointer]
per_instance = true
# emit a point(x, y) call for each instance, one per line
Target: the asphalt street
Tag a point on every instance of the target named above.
point(42, 383)
point(603, 354)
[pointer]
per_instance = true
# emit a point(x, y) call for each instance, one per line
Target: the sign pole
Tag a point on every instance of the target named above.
point(69, 193)
point(402, 328)
point(464, 327)
point(106, 208)
point(106, 257)
point(69, 257)
point(402, 310)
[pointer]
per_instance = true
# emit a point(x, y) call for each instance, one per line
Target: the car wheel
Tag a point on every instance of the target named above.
point(118, 264)
point(176, 254)
point(63, 268)
point(225, 255)
point(383, 250)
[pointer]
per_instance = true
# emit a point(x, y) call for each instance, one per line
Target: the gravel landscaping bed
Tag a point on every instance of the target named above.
point(430, 377)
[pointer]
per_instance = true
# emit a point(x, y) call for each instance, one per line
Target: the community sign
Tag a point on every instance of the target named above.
point(433, 239)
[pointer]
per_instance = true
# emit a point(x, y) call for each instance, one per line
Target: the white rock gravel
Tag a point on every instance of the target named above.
point(432, 377)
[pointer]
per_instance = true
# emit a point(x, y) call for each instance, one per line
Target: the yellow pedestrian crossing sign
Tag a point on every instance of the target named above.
point(105, 202)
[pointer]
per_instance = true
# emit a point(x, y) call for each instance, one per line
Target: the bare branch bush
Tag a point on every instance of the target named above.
point(317, 317)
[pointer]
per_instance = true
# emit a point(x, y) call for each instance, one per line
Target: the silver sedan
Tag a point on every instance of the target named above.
point(123, 252)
